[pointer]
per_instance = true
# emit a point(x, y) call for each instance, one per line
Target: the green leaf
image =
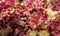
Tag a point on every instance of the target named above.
point(33, 33)
point(44, 33)
point(20, 0)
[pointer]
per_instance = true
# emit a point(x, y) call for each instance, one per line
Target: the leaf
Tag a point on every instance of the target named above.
point(44, 33)
point(33, 33)
point(20, 0)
